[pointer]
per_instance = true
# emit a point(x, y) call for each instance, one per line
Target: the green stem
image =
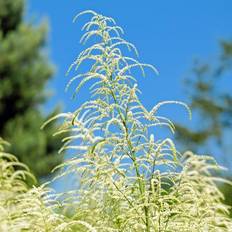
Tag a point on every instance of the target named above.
point(133, 157)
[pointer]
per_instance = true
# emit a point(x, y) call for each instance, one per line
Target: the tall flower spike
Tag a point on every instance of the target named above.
point(127, 179)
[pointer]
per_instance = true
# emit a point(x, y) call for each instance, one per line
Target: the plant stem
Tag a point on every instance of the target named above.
point(133, 158)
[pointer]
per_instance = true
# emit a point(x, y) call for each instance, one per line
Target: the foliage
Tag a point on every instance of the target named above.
point(226, 189)
point(24, 72)
point(209, 100)
point(128, 179)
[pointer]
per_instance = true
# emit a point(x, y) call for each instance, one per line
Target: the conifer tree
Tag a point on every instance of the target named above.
point(24, 72)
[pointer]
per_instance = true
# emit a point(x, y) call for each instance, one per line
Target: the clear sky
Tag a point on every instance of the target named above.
point(167, 33)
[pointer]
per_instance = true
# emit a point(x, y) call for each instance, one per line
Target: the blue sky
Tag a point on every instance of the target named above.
point(168, 34)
